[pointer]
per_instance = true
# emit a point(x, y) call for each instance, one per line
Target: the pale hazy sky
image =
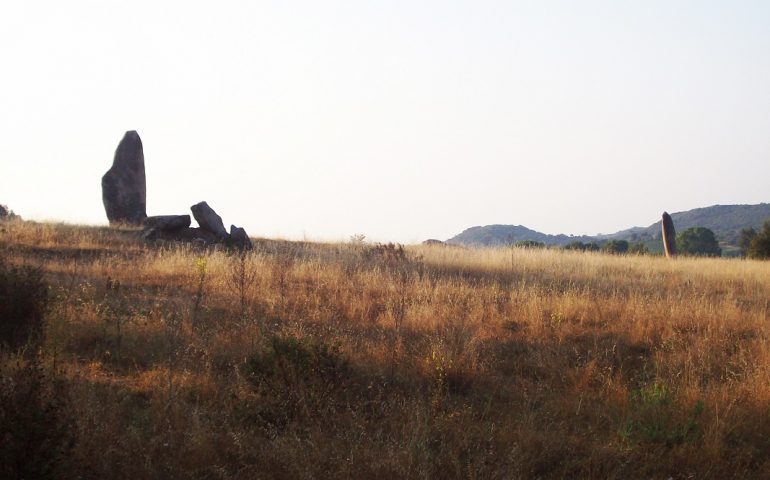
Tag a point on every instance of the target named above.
point(401, 120)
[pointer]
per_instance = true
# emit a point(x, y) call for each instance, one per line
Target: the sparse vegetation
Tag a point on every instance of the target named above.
point(615, 246)
point(302, 360)
point(529, 244)
point(638, 248)
point(7, 214)
point(582, 247)
point(23, 299)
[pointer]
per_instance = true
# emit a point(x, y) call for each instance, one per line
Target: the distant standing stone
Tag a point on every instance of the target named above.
point(239, 238)
point(124, 187)
point(669, 235)
point(208, 219)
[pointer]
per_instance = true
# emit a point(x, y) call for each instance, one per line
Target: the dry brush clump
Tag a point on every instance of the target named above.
point(302, 360)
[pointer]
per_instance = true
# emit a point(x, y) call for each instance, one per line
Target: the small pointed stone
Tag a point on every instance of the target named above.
point(239, 238)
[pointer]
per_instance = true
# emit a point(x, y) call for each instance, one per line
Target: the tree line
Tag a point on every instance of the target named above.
point(694, 241)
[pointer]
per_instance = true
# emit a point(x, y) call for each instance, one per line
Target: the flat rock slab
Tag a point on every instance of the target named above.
point(124, 186)
point(167, 222)
point(186, 235)
point(208, 219)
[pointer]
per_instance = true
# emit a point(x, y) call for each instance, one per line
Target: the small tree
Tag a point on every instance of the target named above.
point(615, 246)
point(744, 241)
point(698, 241)
point(638, 248)
point(759, 247)
point(7, 214)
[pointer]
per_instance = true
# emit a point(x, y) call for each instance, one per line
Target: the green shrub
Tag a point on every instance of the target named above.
point(7, 214)
point(759, 246)
point(638, 248)
point(615, 246)
point(529, 244)
point(655, 418)
point(23, 300)
point(698, 241)
point(744, 241)
point(582, 247)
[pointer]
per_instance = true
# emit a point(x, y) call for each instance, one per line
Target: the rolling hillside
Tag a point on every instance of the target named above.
point(725, 220)
point(495, 235)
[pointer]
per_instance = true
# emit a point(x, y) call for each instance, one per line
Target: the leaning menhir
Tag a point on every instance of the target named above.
point(124, 187)
point(208, 219)
point(669, 235)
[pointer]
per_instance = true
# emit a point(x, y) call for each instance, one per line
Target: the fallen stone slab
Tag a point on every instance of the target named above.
point(167, 222)
point(187, 235)
point(208, 219)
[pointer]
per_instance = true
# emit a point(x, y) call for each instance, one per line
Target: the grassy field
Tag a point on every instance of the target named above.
point(302, 360)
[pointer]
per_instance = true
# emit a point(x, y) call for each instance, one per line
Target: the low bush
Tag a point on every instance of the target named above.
point(300, 373)
point(615, 246)
point(23, 300)
point(35, 431)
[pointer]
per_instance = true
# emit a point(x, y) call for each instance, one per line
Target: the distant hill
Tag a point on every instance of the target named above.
point(495, 235)
point(726, 221)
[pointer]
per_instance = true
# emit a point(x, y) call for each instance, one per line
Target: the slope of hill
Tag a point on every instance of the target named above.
point(726, 221)
point(494, 235)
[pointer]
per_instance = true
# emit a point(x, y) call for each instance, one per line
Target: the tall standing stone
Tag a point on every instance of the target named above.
point(669, 235)
point(124, 186)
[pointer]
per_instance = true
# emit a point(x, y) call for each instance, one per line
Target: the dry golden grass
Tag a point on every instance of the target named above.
point(336, 360)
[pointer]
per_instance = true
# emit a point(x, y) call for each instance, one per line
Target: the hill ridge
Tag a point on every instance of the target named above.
point(725, 221)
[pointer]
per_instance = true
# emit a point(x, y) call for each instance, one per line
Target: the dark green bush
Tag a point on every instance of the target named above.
point(759, 246)
point(698, 241)
point(744, 241)
point(638, 248)
point(582, 247)
point(615, 246)
point(295, 377)
point(7, 214)
point(529, 244)
point(23, 300)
